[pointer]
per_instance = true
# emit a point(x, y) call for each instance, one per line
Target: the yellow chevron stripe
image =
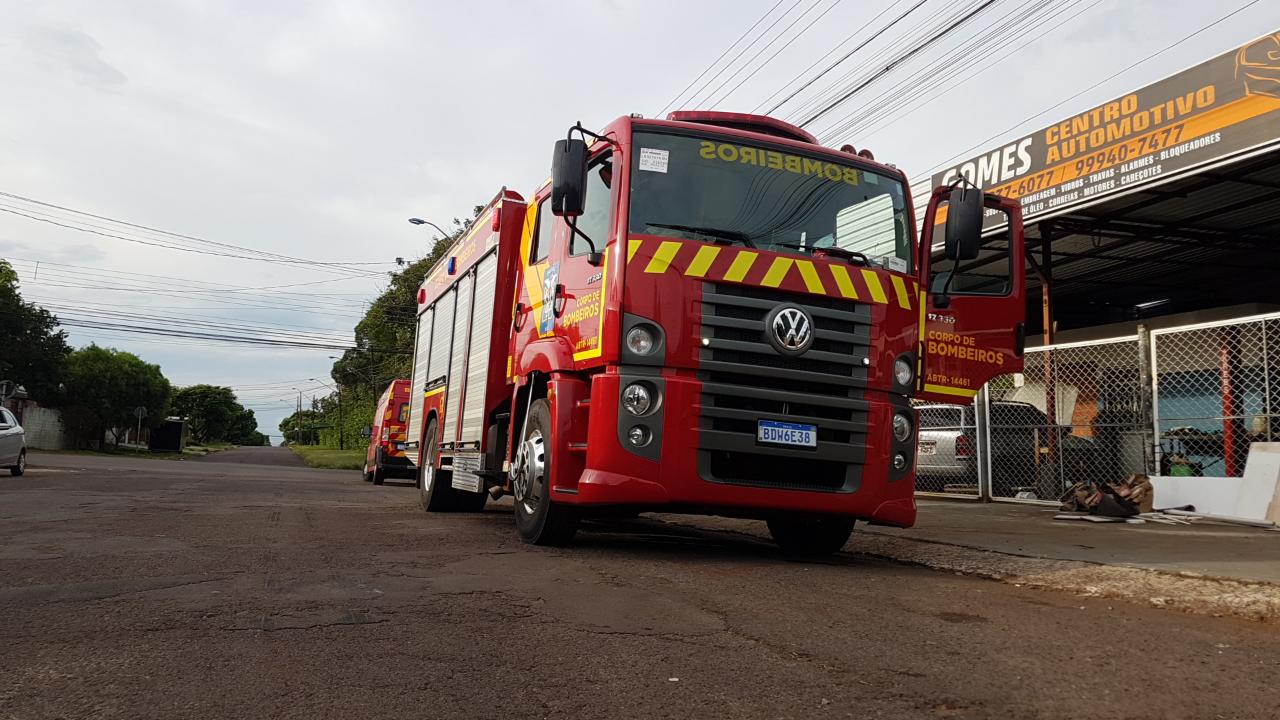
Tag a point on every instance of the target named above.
point(945, 390)
point(777, 271)
point(900, 288)
point(873, 286)
point(741, 265)
point(632, 247)
point(707, 254)
point(662, 258)
point(810, 276)
point(843, 283)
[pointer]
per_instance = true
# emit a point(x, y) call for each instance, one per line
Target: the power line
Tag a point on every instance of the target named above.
point(846, 56)
point(901, 59)
point(722, 98)
point(921, 27)
point(236, 251)
point(873, 127)
point(692, 102)
point(181, 236)
point(970, 54)
point(727, 50)
point(1110, 77)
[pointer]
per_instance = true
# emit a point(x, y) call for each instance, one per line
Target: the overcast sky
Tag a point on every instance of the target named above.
point(314, 129)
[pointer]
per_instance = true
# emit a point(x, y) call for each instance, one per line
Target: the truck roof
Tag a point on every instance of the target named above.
point(466, 250)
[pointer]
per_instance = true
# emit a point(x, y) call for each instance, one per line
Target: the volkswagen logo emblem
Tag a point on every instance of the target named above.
point(790, 329)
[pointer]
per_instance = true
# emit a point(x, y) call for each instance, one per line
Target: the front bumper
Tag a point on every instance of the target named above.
point(688, 471)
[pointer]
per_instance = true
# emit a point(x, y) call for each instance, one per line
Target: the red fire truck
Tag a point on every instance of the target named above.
point(709, 313)
point(386, 457)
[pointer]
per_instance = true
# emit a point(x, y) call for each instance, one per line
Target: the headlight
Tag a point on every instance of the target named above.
point(637, 399)
point(640, 340)
point(638, 436)
point(902, 372)
point(901, 427)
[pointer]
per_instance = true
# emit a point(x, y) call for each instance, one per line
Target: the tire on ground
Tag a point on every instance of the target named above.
point(810, 535)
point(539, 520)
point(378, 474)
point(434, 491)
point(21, 467)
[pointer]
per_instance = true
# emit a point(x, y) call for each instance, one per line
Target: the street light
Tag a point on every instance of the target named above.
point(342, 443)
point(420, 221)
point(297, 427)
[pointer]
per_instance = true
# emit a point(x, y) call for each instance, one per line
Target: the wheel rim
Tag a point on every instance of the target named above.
point(429, 463)
point(528, 483)
point(22, 462)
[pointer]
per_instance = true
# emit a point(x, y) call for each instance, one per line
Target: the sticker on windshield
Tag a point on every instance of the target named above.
point(654, 159)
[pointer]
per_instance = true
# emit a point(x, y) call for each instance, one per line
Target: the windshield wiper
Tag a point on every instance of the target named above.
point(718, 234)
point(840, 252)
point(832, 251)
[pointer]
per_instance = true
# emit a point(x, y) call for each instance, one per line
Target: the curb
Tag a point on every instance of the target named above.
point(1185, 592)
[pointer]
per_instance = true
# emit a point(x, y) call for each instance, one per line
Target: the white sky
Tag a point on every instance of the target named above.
point(314, 129)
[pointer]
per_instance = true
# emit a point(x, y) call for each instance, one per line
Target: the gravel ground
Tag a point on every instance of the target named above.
point(143, 589)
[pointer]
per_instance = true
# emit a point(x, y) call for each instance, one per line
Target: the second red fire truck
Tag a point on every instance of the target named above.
point(709, 313)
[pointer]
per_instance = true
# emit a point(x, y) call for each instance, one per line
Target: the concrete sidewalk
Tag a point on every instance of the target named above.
point(1207, 568)
point(1212, 549)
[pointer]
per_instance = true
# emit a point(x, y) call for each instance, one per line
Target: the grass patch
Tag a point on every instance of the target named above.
point(330, 458)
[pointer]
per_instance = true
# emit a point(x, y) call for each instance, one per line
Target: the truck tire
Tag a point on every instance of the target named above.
point(378, 475)
point(434, 490)
point(812, 535)
point(539, 520)
point(21, 467)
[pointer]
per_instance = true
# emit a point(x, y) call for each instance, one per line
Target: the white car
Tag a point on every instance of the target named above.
point(13, 443)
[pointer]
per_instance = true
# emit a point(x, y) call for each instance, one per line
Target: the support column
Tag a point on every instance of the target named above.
point(1230, 403)
point(1049, 467)
point(1146, 402)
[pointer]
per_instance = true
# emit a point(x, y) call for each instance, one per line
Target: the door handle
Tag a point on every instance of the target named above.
point(1019, 339)
point(517, 317)
point(559, 300)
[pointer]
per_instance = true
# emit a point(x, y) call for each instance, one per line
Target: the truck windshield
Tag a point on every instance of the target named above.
point(718, 191)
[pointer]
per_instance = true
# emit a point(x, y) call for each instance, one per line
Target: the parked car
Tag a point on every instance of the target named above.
point(947, 457)
point(385, 457)
point(13, 443)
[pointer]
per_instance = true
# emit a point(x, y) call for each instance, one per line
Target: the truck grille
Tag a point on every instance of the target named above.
point(744, 379)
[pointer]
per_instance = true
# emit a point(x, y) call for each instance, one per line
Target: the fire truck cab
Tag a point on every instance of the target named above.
point(712, 313)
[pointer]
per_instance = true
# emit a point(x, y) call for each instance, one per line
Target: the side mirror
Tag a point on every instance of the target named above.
point(569, 178)
point(366, 431)
point(964, 223)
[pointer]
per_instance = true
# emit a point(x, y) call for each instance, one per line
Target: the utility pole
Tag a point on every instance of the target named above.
point(297, 419)
point(342, 444)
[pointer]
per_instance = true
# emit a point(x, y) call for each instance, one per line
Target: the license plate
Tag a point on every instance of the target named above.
point(928, 448)
point(782, 433)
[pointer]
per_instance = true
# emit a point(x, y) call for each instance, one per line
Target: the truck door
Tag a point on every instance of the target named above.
point(973, 327)
point(578, 294)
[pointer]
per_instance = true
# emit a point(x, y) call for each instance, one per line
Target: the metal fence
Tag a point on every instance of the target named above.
point(1213, 394)
point(1074, 413)
point(1185, 400)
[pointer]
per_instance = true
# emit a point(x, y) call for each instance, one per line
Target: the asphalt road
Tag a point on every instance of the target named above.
point(154, 589)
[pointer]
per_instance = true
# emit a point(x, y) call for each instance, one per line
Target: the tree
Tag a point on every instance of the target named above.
point(103, 386)
point(300, 426)
point(243, 429)
point(210, 411)
point(214, 415)
point(33, 350)
point(390, 322)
